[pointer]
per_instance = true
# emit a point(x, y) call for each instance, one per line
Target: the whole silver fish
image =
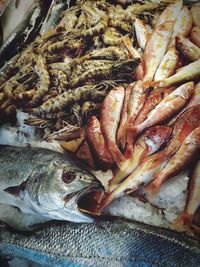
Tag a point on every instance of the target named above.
point(101, 244)
point(38, 185)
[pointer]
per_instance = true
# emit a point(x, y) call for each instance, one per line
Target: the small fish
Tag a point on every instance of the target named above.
point(153, 99)
point(43, 185)
point(153, 165)
point(97, 141)
point(157, 45)
point(186, 73)
point(110, 117)
point(193, 200)
point(167, 65)
point(195, 35)
point(182, 26)
point(195, 100)
point(146, 145)
point(103, 243)
point(180, 160)
point(136, 102)
point(170, 105)
point(141, 32)
point(189, 50)
point(195, 11)
point(121, 136)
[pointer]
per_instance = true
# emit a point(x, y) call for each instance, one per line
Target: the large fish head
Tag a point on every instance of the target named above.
point(156, 136)
point(61, 189)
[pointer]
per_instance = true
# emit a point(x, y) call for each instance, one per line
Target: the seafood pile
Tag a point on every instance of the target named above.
point(119, 84)
point(150, 128)
point(63, 76)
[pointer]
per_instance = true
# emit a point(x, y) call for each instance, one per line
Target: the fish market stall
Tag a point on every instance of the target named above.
point(100, 111)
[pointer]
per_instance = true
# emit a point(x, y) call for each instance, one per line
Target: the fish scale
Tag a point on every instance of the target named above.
point(102, 243)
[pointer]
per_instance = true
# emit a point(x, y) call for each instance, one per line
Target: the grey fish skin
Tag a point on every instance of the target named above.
point(101, 244)
point(43, 184)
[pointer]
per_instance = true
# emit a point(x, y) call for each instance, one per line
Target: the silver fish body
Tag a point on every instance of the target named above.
point(42, 185)
point(103, 243)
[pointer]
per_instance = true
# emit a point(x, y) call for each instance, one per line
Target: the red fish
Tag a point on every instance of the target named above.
point(137, 99)
point(110, 117)
point(169, 106)
point(96, 140)
point(147, 144)
point(153, 99)
point(182, 157)
point(150, 167)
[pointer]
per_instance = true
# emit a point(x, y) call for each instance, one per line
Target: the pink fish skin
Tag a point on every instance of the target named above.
point(121, 135)
point(180, 160)
point(153, 99)
point(156, 46)
point(147, 144)
point(151, 166)
point(195, 100)
point(141, 32)
point(137, 99)
point(183, 25)
point(193, 199)
point(110, 117)
point(169, 106)
point(96, 140)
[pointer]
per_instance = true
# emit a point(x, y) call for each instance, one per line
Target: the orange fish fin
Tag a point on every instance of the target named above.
point(116, 154)
point(151, 190)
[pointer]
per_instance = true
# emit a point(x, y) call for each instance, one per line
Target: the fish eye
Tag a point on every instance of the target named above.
point(68, 177)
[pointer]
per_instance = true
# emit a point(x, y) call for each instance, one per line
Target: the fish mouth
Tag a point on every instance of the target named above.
point(88, 200)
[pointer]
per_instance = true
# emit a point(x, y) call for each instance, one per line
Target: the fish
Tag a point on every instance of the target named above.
point(157, 44)
point(97, 141)
point(195, 35)
point(141, 32)
point(43, 185)
point(121, 137)
point(169, 106)
point(136, 102)
point(195, 101)
point(103, 243)
point(25, 33)
point(186, 73)
point(195, 11)
point(189, 50)
point(147, 144)
point(180, 160)
point(182, 26)
point(153, 99)
point(193, 199)
point(153, 165)
point(110, 117)
point(167, 65)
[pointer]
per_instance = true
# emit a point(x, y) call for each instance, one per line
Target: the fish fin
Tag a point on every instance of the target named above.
point(151, 190)
point(116, 154)
point(107, 199)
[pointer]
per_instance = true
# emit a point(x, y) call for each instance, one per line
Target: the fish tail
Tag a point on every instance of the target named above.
point(152, 189)
point(186, 218)
point(116, 154)
point(107, 199)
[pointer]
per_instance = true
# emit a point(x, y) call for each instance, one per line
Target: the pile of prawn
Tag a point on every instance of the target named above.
point(63, 76)
point(150, 128)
